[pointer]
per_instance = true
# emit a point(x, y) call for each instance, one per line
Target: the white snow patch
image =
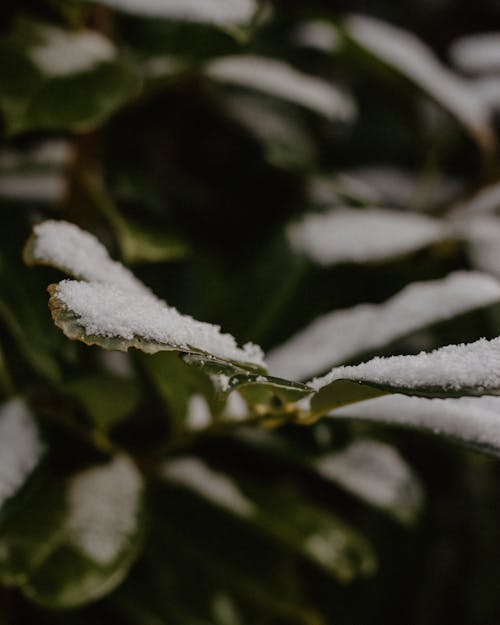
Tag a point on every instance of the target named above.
point(236, 408)
point(39, 186)
point(488, 89)
point(483, 242)
point(452, 368)
point(52, 152)
point(342, 334)
point(376, 473)
point(81, 255)
point(319, 34)
point(487, 200)
point(214, 486)
point(477, 53)
point(65, 53)
point(406, 53)
point(20, 447)
point(198, 415)
point(221, 12)
point(470, 419)
point(361, 235)
point(104, 505)
point(281, 80)
point(106, 310)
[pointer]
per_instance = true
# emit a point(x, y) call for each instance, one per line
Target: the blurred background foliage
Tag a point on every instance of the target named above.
point(191, 179)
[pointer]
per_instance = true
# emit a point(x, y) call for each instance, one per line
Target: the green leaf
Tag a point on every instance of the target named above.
point(54, 78)
point(106, 399)
point(281, 513)
point(100, 538)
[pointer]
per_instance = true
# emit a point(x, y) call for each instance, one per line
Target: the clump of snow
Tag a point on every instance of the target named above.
point(470, 419)
point(341, 335)
point(236, 408)
point(20, 447)
point(482, 235)
point(406, 53)
point(196, 475)
point(477, 53)
point(359, 235)
point(222, 12)
point(198, 416)
point(278, 79)
point(487, 200)
point(319, 34)
point(35, 186)
point(467, 367)
point(64, 53)
point(104, 504)
point(80, 254)
point(376, 473)
point(106, 310)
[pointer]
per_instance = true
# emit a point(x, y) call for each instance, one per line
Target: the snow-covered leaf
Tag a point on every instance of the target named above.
point(348, 235)
point(20, 447)
point(219, 12)
point(404, 52)
point(471, 369)
point(344, 334)
point(114, 309)
point(486, 200)
point(53, 78)
point(285, 515)
point(318, 34)
point(474, 421)
point(376, 473)
point(482, 236)
point(99, 539)
point(278, 79)
point(476, 54)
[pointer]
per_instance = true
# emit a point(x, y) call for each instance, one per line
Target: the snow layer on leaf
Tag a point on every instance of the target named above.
point(487, 200)
point(104, 505)
point(278, 79)
point(453, 368)
point(20, 447)
point(210, 484)
point(64, 53)
point(220, 12)
point(80, 254)
point(318, 34)
point(37, 186)
point(109, 311)
point(376, 473)
point(361, 235)
point(341, 335)
point(477, 53)
point(470, 419)
point(406, 53)
point(483, 242)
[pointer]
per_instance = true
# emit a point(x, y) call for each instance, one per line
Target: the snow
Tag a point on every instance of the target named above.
point(236, 408)
point(487, 200)
point(214, 486)
point(39, 186)
point(281, 80)
point(488, 89)
point(483, 243)
point(104, 504)
point(114, 303)
point(343, 334)
point(477, 53)
point(52, 152)
point(65, 53)
point(345, 235)
point(198, 416)
point(222, 12)
point(20, 447)
point(80, 254)
point(376, 473)
point(319, 34)
point(406, 53)
point(470, 419)
point(454, 368)
point(106, 310)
